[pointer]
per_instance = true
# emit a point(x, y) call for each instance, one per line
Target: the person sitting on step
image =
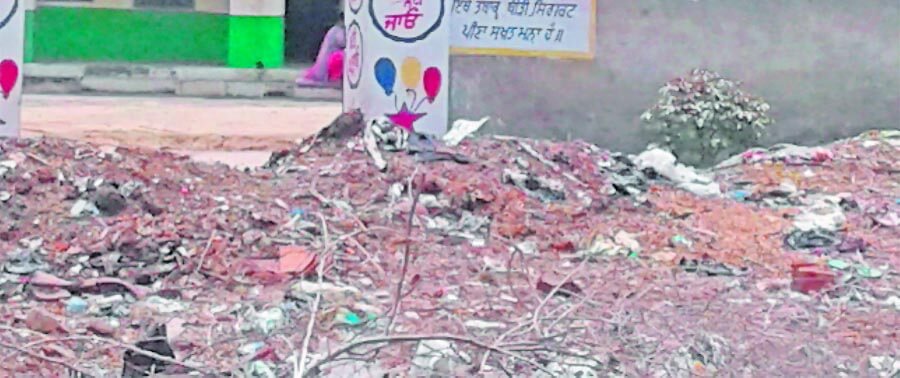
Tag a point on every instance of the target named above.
point(328, 69)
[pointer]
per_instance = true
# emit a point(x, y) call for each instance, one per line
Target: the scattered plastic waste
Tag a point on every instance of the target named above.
point(485, 256)
point(259, 369)
point(438, 357)
point(622, 243)
point(868, 272)
point(823, 213)
point(269, 320)
point(545, 189)
point(163, 305)
point(462, 129)
point(885, 366)
point(679, 241)
point(251, 348)
point(24, 262)
point(76, 306)
point(140, 365)
point(628, 241)
point(348, 317)
point(702, 355)
point(573, 366)
point(839, 264)
point(739, 195)
point(891, 219)
point(815, 238)
point(710, 268)
point(483, 325)
point(370, 141)
point(784, 152)
point(665, 164)
point(852, 245)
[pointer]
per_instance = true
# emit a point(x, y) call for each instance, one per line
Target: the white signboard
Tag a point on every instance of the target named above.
point(546, 28)
point(12, 52)
point(397, 61)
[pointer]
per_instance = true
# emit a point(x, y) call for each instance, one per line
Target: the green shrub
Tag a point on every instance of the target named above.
point(704, 118)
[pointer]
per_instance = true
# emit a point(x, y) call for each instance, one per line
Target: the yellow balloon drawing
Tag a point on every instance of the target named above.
point(411, 72)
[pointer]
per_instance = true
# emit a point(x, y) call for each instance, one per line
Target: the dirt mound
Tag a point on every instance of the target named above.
point(529, 258)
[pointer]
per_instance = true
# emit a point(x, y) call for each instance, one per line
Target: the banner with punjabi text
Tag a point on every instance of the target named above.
point(551, 28)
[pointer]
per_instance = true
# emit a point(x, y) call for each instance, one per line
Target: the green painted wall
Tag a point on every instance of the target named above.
point(29, 38)
point(253, 40)
point(83, 34)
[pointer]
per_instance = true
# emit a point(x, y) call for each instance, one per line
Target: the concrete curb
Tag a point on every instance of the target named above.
point(187, 81)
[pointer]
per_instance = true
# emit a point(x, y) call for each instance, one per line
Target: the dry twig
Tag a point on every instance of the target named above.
point(329, 202)
point(205, 251)
point(116, 343)
point(537, 312)
point(38, 159)
point(399, 293)
point(304, 351)
point(416, 338)
point(41, 357)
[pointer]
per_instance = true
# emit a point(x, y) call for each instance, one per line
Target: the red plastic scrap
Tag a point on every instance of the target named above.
point(294, 259)
point(808, 277)
point(59, 247)
point(563, 246)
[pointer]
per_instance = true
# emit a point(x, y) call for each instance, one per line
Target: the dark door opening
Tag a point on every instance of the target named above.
point(306, 22)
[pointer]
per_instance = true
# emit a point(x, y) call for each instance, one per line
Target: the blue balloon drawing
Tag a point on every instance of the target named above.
point(386, 74)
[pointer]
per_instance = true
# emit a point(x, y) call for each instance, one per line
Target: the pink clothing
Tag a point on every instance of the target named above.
point(328, 67)
point(336, 66)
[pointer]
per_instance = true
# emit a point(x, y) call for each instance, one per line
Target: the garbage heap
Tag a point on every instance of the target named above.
point(370, 250)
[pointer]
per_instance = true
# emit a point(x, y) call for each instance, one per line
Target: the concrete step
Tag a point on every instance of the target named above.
point(178, 80)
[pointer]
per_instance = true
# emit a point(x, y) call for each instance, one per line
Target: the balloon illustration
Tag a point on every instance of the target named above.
point(386, 75)
point(432, 81)
point(411, 72)
point(9, 75)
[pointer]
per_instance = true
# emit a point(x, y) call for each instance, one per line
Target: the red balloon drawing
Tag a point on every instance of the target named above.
point(432, 81)
point(9, 75)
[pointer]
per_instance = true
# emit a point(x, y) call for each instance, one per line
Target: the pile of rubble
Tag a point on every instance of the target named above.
point(371, 251)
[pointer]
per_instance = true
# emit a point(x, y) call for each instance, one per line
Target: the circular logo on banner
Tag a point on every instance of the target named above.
point(354, 54)
point(7, 11)
point(407, 21)
point(355, 5)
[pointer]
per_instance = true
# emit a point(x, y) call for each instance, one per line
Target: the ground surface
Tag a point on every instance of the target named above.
point(204, 128)
point(558, 258)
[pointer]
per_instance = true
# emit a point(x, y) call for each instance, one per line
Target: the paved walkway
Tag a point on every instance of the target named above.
point(168, 79)
point(209, 129)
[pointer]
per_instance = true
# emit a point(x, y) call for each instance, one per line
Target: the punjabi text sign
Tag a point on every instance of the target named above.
point(551, 28)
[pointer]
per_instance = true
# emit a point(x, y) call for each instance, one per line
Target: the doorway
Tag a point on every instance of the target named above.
point(306, 22)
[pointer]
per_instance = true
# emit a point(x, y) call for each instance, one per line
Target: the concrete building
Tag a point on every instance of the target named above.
point(829, 68)
point(233, 33)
